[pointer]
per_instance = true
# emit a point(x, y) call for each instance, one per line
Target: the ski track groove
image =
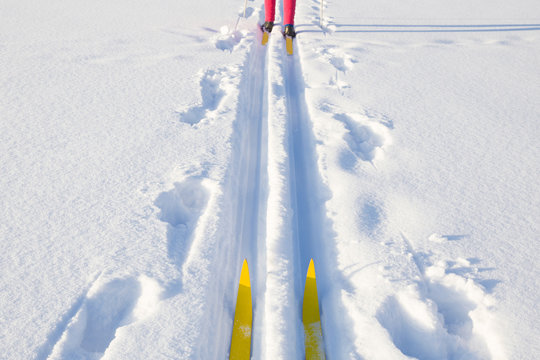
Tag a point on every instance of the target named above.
point(297, 226)
point(243, 231)
point(252, 182)
point(308, 222)
point(311, 228)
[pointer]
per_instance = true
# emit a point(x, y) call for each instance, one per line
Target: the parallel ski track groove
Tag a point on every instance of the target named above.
point(251, 177)
point(309, 218)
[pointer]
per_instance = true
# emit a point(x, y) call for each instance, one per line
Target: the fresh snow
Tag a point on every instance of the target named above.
point(147, 148)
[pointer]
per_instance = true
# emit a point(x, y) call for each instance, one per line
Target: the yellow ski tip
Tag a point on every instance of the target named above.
point(265, 38)
point(311, 318)
point(244, 275)
point(289, 45)
point(310, 307)
point(311, 270)
point(243, 316)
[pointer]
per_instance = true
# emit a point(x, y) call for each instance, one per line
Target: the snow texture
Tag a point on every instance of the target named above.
point(148, 148)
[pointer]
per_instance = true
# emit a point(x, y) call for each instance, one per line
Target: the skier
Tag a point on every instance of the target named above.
point(270, 12)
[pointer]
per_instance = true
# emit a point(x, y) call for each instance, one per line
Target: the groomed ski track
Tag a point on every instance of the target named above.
point(250, 227)
point(307, 193)
point(281, 217)
point(249, 188)
point(280, 222)
point(311, 230)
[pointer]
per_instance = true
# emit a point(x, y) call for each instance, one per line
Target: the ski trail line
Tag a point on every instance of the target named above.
point(240, 226)
point(251, 178)
point(296, 223)
point(311, 226)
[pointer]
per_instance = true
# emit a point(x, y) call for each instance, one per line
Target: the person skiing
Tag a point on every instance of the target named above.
point(288, 20)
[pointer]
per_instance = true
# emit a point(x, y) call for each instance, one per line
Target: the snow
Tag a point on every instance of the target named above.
point(146, 149)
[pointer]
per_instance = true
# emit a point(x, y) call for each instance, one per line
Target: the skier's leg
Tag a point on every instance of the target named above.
point(288, 20)
point(288, 11)
point(269, 10)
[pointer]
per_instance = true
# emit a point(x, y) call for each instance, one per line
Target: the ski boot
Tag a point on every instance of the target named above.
point(289, 31)
point(266, 29)
point(267, 26)
point(289, 35)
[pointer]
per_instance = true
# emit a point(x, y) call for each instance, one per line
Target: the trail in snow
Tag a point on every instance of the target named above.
point(240, 216)
point(312, 232)
point(251, 182)
point(297, 228)
point(307, 222)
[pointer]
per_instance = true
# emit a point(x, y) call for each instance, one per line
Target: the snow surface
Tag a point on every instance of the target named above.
point(147, 148)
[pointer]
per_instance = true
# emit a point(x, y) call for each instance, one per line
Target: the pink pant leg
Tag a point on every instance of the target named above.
point(269, 10)
point(288, 10)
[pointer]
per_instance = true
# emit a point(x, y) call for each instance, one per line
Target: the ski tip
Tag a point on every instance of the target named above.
point(311, 269)
point(243, 319)
point(244, 275)
point(264, 38)
point(289, 45)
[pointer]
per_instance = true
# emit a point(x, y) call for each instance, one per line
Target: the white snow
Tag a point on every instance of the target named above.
point(147, 148)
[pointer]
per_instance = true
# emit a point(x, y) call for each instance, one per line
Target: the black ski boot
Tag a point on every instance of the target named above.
point(267, 26)
point(289, 31)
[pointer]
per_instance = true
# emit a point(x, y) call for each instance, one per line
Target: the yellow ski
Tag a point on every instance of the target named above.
point(288, 45)
point(243, 315)
point(311, 317)
point(265, 37)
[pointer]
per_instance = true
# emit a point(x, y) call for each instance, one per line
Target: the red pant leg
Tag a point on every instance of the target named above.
point(269, 10)
point(288, 10)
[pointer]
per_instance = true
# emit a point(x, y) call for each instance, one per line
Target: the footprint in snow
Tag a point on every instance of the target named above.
point(451, 319)
point(214, 85)
point(365, 138)
point(108, 306)
point(181, 208)
point(371, 215)
point(338, 58)
point(211, 95)
point(413, 325)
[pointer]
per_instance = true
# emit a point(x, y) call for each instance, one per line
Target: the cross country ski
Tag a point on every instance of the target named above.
point(311, 318)
point(243, 315)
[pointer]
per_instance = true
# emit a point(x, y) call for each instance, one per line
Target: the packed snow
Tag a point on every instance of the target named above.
point(148, 147)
